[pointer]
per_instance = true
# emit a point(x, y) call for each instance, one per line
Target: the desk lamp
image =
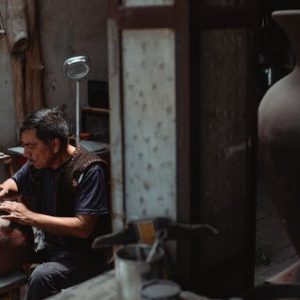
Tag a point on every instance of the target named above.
point(76, 68)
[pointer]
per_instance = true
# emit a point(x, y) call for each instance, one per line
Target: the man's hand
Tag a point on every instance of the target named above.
point(17, 212)
point(6, 187)
point(78, 226)
point(3, 193)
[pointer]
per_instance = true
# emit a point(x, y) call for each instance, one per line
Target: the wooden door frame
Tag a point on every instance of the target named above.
point(174, 17)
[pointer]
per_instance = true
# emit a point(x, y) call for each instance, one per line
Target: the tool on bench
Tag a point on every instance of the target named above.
point(142, 257)
point(145, 230)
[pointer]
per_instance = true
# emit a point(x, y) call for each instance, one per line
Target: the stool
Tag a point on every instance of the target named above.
point(10, 285)
point(6, 160)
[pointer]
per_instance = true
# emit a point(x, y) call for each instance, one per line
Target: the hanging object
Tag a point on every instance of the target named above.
point(17, 26)
point(2, 30)
point(77, 68)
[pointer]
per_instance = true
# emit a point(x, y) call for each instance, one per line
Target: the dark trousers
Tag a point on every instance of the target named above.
point(51, 277)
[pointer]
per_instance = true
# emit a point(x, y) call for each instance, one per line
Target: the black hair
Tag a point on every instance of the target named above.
point(49, 124)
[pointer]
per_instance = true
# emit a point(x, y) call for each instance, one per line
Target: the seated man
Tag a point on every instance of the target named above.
point(64, 198)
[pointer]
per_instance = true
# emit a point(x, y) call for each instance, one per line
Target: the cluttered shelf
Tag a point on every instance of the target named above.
point(95, 120)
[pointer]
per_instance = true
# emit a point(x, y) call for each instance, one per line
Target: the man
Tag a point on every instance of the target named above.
point(64, 197)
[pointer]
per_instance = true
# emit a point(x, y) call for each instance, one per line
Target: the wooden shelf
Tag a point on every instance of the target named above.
point(94, 115)
point(94, 110)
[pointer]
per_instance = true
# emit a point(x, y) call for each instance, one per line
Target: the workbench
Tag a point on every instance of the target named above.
point(91, 289)
point(103, 287)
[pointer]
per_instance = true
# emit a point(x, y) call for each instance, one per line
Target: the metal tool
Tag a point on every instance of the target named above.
point(145, 231)
point(77, 68)
point(137, 262)
point(160, 236)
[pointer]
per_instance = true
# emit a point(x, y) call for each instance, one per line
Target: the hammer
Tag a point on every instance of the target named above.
point(145, 231)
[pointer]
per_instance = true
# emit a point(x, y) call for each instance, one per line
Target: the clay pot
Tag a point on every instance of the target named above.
point(279, 135)
point(16, 243)
point(16, 247)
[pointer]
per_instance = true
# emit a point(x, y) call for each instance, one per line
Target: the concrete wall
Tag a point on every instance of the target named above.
point(67, 28)
point(7, 110)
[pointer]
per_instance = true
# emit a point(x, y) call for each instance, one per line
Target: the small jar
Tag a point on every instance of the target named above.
point(159, 289)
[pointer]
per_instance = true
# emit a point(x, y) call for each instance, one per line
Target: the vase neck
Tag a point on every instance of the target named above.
point(290, 23)
point(294, 39)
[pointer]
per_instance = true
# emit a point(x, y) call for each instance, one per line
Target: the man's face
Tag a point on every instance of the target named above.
point(37, 152)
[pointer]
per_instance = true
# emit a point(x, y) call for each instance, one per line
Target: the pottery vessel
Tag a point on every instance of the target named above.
point(16, 243)
point(279, 135)
point(16, 248)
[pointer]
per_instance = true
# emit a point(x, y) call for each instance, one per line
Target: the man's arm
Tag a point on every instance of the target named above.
point(90, 203)
point(78, 226)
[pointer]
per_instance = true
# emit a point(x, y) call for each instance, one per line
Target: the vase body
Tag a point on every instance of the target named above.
point(279, 135)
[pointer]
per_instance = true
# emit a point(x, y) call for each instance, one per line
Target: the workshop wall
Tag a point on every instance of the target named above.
point(67, 28)
point(7, 111)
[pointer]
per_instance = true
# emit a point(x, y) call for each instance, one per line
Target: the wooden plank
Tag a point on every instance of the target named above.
point(116, 130)
point(220, 154)
point(183, 137)
point(224, 17)
point(94, 110)
point(144, 17)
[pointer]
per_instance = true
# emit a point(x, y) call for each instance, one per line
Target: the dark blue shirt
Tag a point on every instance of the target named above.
point(90, 198)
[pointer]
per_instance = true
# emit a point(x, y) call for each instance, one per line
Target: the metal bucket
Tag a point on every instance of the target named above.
point(132, 270)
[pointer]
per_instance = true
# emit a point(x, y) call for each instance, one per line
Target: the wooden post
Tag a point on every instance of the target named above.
point(26, 57)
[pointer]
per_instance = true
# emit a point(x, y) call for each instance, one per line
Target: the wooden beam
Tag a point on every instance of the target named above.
point(225, 17)
point(143, 17)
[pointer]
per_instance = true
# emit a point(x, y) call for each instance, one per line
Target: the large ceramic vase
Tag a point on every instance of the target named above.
point(279, 135)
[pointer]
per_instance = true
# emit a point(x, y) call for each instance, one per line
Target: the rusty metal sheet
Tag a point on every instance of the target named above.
point(149, 123)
